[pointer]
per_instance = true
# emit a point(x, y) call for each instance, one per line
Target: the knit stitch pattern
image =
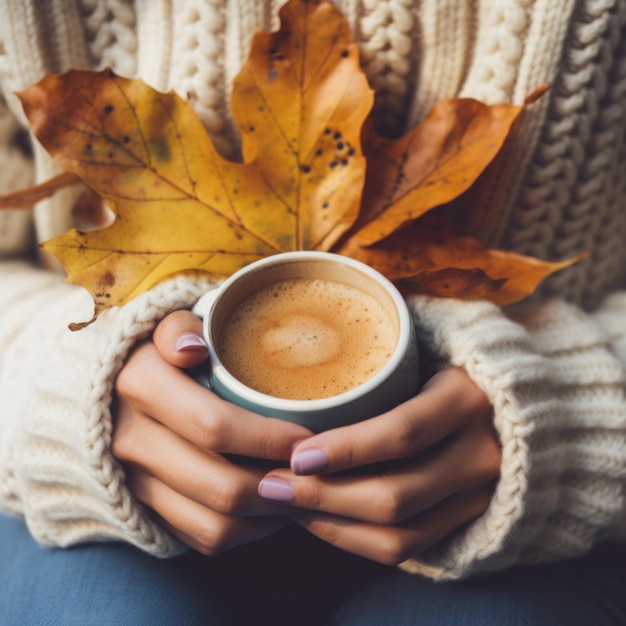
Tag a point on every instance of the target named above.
point(557, 391)
point(64, 480)
point(554, 368)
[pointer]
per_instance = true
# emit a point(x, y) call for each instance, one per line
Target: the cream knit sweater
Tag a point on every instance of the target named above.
point(554, 368)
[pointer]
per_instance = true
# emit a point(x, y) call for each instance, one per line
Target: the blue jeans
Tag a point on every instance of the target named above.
point(290, 579)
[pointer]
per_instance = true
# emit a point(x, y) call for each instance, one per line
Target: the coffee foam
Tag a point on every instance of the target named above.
point(307, 338)
point(301, 341)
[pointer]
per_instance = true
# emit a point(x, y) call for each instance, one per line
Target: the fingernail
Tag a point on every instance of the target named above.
point(310, 461)
point(190, 341)
point(276, 489)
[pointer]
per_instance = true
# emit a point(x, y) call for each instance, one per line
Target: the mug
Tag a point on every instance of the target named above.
point(302, 283)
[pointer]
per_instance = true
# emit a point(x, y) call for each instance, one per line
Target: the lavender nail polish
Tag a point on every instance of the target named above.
point(190, 341)
point(276, 489)
point(310, 461)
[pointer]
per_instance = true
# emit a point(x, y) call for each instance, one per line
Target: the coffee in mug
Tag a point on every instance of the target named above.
point(311, 337)
point(305, 338)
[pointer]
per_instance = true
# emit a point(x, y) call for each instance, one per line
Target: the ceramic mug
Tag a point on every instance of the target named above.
point(396, 381)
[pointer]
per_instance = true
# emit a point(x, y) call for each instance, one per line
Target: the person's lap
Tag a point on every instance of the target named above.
point(293, 579)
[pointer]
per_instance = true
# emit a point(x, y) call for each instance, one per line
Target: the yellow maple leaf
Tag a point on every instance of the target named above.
point(179, 205)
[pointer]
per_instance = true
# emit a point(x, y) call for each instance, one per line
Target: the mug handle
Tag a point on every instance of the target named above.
point(201, 308)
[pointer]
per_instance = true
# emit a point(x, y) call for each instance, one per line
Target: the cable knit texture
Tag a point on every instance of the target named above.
point(554, 368)
point(58, 472)
point(556, 386)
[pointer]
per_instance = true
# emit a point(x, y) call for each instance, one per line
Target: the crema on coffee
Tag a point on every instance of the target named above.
point(306, 338)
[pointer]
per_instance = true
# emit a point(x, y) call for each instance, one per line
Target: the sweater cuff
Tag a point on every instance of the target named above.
point(557, 390)
point(56, 467)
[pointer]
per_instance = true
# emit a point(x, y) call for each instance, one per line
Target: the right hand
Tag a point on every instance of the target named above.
point(171, 435)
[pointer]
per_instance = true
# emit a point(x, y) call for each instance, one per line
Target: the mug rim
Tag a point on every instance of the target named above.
point(296, 406)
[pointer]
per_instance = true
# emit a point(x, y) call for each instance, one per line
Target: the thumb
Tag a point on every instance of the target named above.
point(179, 340)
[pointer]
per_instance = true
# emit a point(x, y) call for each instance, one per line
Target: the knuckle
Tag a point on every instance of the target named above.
point(346, 453)
point(395, 550)
point(465, 394)
point(121, 447)
point(129, 383)
point(211, 430)
point(228, 497)
point(211, 538)
point(391, 507)
point(408, 436)
point(472, 396)
point(126, 383)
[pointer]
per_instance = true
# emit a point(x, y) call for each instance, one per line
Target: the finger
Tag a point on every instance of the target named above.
point(171, 397)
point(446, 403)
point(206, 478)
point(202, 529)
point(179, 340)
point(468, 460)
point(392, 545)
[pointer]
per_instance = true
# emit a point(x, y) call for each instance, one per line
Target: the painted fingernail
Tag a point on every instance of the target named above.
point(310, 461)
point(190, 341)
point(276, 489)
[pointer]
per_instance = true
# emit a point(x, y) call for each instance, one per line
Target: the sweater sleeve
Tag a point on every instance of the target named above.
point(56, 468)
point(555, 378)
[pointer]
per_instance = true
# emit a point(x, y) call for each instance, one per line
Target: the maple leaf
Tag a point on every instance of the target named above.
point(432, 257)
point(429, 166)
point(301, 103)
point(178, 204)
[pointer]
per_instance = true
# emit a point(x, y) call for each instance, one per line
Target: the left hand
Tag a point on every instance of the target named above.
point(446, 457)
point(174, 438)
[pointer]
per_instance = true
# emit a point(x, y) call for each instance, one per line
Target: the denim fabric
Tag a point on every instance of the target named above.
point(290, 579)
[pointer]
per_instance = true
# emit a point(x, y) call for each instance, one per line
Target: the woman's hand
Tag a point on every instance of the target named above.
point(446, 458)
point(171, 434)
